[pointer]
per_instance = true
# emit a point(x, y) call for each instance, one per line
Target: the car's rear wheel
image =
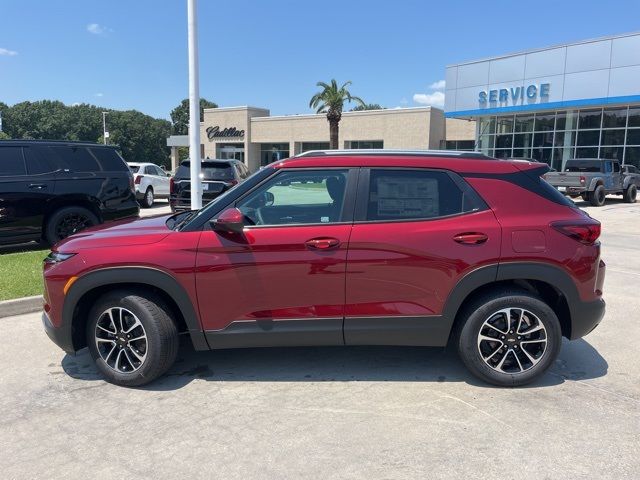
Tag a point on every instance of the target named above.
point(598, 196)
point(148, 199)
point(509, 338)
point(67, 221)
point(630, 194)
point(131, 337)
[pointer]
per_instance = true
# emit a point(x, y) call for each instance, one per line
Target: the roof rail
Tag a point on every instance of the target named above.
point(377, 151)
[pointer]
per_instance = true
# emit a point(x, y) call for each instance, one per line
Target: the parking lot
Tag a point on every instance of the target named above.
point(343, 413)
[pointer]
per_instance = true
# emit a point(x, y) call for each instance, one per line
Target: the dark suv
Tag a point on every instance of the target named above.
point(341, 248)
point(218, 176)
point(50, 190)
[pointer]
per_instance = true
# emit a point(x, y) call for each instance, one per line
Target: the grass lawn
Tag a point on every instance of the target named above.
point(21, 274)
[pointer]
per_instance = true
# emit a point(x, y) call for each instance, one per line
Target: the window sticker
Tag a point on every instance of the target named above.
point(406, 197)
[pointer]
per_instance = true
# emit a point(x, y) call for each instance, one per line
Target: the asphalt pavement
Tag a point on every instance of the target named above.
point(335, 413)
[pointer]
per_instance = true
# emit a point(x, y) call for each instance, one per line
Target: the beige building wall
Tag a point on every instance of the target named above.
point(459, 129)
point(408, 128)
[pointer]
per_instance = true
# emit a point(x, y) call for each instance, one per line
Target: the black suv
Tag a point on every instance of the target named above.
point(218, 176)
point(52, 189)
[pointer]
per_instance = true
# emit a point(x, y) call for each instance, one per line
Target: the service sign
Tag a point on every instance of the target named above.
point(516, 95)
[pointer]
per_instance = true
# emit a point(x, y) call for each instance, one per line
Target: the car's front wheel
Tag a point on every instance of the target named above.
point(67, 221)
point(509, 338)
point(148, 199)
point(630, 194)
point(131, 337)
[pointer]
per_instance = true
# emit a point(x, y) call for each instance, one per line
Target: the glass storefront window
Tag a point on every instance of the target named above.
point(590, 119)
point(524, 123)
point(273, 152)
point(504, 141)
point(633, 136)
point(487, 125)
point(632, 156)
point(542, 155)
point(588, 137)
point(564, 139)
point(614, 117)
point(613, 153)
point(306, 146)
point(522, 140)
point(567, 120)
point(587, 152)
point(545, 122)
point(365, 144)
point(543, 139)
point(634, 117)
point(561, 155)
point(522, 152)
point(505, 124)
point(502, 153)
point(485, 143)
point(612, 137)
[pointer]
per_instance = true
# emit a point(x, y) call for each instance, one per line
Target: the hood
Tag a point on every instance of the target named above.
point(113, 234)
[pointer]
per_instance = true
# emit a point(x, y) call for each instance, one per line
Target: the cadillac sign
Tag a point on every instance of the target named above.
point(214, 133)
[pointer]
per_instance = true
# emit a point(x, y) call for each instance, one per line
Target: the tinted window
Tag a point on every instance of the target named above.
point(412, 194)
point(11, 161)
point(76, 159)
point(209, 170)
point(150, 170)
point(300, 197)
point(134, 168)
point(159, 171)
point(37, 163)
point(583, 166)
point(109, 159)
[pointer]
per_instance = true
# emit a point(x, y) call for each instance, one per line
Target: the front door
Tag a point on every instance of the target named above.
point(282, 281)
point(416, 232)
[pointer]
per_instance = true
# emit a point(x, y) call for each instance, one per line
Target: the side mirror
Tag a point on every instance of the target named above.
point(229, 221)
point(168, 174)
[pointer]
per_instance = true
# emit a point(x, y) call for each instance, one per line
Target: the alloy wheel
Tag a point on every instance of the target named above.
point(512, 340)
point(121, 340)
point(72, 223)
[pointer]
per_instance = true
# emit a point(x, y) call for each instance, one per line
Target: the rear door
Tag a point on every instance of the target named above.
point(162, 181)
point(416, 233)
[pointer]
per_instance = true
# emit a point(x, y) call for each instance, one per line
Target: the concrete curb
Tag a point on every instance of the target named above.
point(20, 306)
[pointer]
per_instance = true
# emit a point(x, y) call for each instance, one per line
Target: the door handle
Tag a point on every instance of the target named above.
point(37, 186)
point(471, 238)
point(322, 243)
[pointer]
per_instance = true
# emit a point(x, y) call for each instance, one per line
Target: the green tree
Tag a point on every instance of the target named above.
point(330, 100)
point(4, 136)
point(367, 106)
point(180, 115)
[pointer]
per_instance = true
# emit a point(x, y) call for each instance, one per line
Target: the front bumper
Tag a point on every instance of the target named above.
point(586, 316)
point(62, 336)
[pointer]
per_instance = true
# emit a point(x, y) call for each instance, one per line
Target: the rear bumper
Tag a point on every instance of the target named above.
point(585, 316)
point(61, 336)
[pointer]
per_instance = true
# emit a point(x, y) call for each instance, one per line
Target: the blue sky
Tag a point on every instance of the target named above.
point(133, 53)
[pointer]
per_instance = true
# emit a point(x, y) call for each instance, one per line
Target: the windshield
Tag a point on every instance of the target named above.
point(134, 168)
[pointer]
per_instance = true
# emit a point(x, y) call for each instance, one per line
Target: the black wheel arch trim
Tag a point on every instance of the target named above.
point(550, 274)
point(150, 276)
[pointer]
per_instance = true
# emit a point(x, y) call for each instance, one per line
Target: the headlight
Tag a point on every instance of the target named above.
point(57, 257)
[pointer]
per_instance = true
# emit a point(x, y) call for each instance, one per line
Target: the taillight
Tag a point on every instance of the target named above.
point(138, 178)
point(584, 231)
point(171, 185)
point(582, 179)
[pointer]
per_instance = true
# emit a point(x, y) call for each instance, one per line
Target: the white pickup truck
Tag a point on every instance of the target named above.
point(593, 179)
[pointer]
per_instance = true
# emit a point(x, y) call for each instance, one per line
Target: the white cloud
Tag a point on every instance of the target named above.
point(97, 29)
point(75, 104)
point(8, 53)
point(435, 99)
point(99, 94)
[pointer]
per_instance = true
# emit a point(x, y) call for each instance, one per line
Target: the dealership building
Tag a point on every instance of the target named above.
point(576, 100)
point(254, 136)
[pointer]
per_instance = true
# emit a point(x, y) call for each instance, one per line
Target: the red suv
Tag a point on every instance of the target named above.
point(340, 248)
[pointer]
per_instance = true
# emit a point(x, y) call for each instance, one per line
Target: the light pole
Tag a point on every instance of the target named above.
point(105, 134)
point(194, 106)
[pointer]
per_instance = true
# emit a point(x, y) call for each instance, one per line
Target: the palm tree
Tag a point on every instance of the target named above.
point(331, 100)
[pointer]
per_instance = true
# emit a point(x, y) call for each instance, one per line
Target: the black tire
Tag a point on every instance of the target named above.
point(472, 320)
point(148, 198)
point(67, 221)
point(630, 194)
point(159, 348)
point(598, 196)
point(584, 196)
